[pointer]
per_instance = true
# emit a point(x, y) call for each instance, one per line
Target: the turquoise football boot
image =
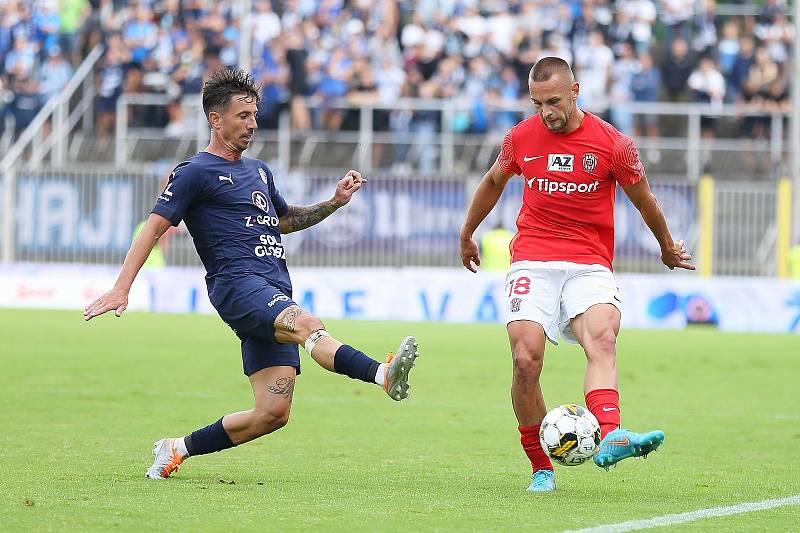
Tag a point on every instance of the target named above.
point(621, 444)
point(542, 481)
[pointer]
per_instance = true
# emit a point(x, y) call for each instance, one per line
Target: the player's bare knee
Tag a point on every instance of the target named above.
point(295, 324)
point(308, 324)
point(527, 359)
point(603, 346)
point(270, 419)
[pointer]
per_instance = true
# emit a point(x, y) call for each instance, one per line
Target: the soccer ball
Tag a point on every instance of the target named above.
point(570, 434)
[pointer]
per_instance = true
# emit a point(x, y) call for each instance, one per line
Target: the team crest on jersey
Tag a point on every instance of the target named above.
point(263, 176)
point(589, 162)
point(516, 303)
point(560, 162)
point(260, 201)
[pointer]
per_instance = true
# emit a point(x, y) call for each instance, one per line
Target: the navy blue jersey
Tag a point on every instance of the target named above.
point(231, 209)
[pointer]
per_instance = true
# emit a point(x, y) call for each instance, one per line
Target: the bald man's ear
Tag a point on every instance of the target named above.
point(576, 90)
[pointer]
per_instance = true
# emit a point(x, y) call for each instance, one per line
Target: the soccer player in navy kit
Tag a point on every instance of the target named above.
point(236, 216)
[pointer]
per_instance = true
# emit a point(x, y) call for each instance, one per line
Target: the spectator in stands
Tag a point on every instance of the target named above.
point(141, 34)
point(704, 40)
point(623, 71)
point(505, 92)
point(47, 24)
point(424, 125)
point(73, 14)
point(273, 74)
point(21, 59)
point(296, 57)
point(189, 73)
point(646, 87)
point(708, 86)
point(642, 14)
point(334, 85)
point(676, 15)
point(110, 78)
point(593, 69)
point(740, 70)
point(478, 50)
point(54, 74)
point(26, 103)
point(177, 126)
point(677, 69)
point(727, 51)
point(265, 26)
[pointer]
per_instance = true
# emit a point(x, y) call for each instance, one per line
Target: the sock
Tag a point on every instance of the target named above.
point(355, 364)
point(209, 439)
point(380, 375)
point(533, 448)
point(180, 446)
point(604, 405)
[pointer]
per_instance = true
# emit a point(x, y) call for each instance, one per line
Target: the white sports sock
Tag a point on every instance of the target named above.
point(180, 447)
point(381, 374)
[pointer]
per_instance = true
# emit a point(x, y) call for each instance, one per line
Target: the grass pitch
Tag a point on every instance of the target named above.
point(82, 403)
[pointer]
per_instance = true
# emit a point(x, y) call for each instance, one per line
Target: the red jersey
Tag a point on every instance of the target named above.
point(567, 209)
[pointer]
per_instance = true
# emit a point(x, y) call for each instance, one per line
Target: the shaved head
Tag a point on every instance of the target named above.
point(554, 93)
point(545, 68)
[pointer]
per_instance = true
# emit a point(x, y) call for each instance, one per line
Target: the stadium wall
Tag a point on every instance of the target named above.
point(421, 294)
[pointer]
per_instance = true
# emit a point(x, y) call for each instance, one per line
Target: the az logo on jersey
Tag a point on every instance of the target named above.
point(560, 162)
point(263, 176)
point(260, 201)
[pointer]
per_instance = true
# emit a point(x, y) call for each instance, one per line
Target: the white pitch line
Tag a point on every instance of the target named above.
point(679, 518)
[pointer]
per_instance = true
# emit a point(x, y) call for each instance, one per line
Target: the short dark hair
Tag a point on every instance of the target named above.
point(223, 85)
point(545, 68)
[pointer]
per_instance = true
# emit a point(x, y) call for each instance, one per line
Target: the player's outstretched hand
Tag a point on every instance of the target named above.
point(347, 187)
point(676, 256)
point(116, 299)
point(470, 257)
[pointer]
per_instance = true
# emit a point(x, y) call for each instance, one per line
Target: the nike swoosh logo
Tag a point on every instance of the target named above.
point(607, 409)
point(526, 158)
point(622, 442)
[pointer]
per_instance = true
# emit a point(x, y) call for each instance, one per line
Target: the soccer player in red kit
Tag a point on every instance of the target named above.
point(560, 280)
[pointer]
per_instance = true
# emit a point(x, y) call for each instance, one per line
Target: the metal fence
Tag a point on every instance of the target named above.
point(88, 217)
point(684, 145)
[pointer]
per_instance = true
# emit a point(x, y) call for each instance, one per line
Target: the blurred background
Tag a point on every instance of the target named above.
point(99, 99)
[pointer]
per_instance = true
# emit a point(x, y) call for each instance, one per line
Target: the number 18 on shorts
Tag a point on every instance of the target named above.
point(554, 292)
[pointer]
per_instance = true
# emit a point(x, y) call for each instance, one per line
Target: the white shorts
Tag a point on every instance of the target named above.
point(552, 293)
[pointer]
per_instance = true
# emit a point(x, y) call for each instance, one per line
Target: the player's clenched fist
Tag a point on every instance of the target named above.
point(347, 186)
point(470, 257)
point(677, 256)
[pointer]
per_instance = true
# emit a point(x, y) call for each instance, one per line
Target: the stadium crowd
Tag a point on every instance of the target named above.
point(377, 51)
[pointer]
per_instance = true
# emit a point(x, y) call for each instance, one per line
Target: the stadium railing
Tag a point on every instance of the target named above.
point(683, 150)
point(63, 114)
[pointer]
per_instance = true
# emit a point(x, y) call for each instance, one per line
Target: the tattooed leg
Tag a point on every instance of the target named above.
point(273, 389)
point(282, 387)
point(298, 326)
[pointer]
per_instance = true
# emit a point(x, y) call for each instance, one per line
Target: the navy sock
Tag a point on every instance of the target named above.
point(354, 363)
point(209, 439)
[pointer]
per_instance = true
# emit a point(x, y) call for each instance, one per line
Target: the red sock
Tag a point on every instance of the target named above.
point(604, 405)
point(533, 448)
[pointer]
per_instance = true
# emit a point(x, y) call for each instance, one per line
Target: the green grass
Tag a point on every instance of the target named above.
point(82, 403)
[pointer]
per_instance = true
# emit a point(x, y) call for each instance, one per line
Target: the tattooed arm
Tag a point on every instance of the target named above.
point(302, 217)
